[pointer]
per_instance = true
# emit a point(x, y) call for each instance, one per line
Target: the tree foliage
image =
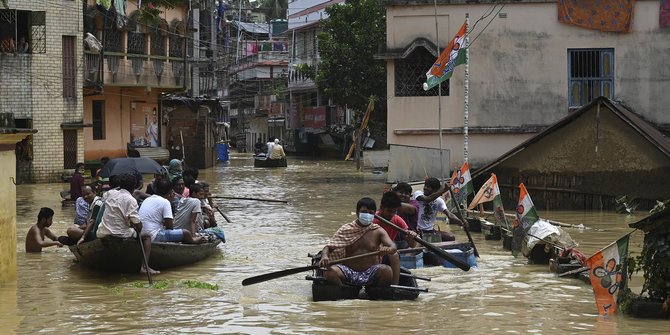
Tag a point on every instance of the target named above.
point(348, 73)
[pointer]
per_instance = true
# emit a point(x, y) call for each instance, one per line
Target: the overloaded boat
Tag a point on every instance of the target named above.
point(115, 254)
point(407, 288)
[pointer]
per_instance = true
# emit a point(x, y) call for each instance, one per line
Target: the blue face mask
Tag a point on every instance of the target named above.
point(365, 219)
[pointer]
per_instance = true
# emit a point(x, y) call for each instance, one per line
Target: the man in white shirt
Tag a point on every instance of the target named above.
point(430, 203)
point(121, 217)
point(277, 151)
point(156, 217)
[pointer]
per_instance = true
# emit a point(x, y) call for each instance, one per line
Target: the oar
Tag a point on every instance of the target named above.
point(465, 223)
point(245, 198)
point(440, 252)
point(144, 258)
point(571, 272)
point(224, 215)
point(288, 272)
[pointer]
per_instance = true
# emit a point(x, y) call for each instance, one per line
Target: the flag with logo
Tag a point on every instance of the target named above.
point(525, 217)
point(607, 272)
point(451, 56)
point(461, 183)
point(491, 192)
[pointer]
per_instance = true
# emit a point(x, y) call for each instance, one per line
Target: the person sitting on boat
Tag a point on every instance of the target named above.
point(178, 188)
point(101, 183)
point(356, 238)
point(388, 208)
point(409, 210)
point(174, 169)
point(270, 144)
point(189, 211)
point(430, 203)
point(207, 207)
point(259, 147)
point(156, 217)
point(121, 217)
point(35, 240)
point(277, 151)
point(82, 210)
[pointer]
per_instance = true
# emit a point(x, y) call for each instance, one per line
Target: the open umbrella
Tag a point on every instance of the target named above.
point(131, 165)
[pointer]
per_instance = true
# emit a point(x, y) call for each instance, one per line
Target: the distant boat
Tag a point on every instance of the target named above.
point(115, 254)
point(262, 161)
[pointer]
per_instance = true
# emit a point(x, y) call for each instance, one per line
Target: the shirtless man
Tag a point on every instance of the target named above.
point(35, 239)
point(355, 238)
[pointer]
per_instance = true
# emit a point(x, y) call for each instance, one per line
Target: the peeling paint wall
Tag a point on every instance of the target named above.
point(519, 72)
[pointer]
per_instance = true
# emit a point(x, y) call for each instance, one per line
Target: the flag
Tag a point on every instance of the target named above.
point(451, 56)
point(461, 183)
point(607, 272)
point(491, 192)
point(525, 217)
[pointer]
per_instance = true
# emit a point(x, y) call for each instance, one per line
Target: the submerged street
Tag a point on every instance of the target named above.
point(55, 295)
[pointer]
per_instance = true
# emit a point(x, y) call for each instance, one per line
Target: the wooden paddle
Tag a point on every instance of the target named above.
point(465, 223)
point(144, 258)
point(288, 272)
point(245, 198)
point(440, 252)
point(224, 215)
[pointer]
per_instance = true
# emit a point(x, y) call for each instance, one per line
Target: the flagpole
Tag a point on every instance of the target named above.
point(466, 87)
point(439, 93)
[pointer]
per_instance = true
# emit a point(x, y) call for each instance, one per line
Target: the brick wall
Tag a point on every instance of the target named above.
point(31, 86)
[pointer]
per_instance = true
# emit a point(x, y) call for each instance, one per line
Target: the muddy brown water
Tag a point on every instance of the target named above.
point(503, 295)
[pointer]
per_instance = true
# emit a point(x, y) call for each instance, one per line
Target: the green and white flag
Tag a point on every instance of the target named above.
point(452, 56)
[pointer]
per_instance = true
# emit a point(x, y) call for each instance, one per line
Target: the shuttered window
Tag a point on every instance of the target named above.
point(69, 68)
point(98, 120)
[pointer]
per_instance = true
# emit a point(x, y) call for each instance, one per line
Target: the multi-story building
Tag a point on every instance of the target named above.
point(310, 110)
point(257, 82)
point(527, 70)
point(139, 60)
point(40, 84)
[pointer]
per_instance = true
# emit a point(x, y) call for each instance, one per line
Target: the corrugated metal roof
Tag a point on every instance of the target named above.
point(253, 27)
point(643, 127)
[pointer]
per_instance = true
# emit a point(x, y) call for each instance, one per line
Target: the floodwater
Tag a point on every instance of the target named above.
point(503, 295)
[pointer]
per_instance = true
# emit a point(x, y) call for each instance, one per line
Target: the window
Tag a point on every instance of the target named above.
point(98, 120)
point(590, 75)
point(22, 31)
point(410, 74)
point(69, 68)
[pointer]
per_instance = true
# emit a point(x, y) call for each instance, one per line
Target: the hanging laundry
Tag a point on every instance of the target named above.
point(664, 14)
point(603, 15)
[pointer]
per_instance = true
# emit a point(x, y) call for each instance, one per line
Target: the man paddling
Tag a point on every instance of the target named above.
point(355, 238)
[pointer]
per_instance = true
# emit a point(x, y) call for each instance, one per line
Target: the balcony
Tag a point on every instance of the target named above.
point(131, 70)
point(264, 60)
point(300, 74)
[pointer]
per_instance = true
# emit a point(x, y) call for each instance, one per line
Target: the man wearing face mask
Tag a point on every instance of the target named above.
point(355, 238)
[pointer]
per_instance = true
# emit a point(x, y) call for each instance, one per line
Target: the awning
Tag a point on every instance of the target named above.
point(75, 125)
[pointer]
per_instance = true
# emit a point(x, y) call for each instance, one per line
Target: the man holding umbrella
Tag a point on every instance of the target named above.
point(121, 217)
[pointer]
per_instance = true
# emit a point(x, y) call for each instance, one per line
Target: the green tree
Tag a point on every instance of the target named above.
point(274, 9)
point(348, 73)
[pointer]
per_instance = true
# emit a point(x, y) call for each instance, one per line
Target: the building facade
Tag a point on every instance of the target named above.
point(40, 84)
point(526, 71)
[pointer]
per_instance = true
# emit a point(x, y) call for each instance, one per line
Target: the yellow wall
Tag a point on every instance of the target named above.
point(7, 216)
point(119, 112)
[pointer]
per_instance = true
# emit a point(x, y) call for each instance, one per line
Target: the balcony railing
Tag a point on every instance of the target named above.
point(120, 69)
point(261, 58)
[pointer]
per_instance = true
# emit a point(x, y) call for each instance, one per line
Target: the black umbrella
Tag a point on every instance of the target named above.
point(131, 165)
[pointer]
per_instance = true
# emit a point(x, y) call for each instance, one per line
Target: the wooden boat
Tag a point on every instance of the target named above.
point(116, 254)
point(461, 250)
point(407, 288)
point(260, 161)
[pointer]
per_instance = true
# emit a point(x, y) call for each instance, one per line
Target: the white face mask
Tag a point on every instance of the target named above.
point(365, 219)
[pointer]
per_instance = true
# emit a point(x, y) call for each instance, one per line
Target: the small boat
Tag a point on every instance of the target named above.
point(461, 250)
point(262, 161)
point(407, 288)
point(115, 254)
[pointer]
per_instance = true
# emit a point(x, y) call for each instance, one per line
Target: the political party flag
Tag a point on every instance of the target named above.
point(451, 56)
point(461, 183)
point(491, 192)
point(607, 272)
point(525, 217)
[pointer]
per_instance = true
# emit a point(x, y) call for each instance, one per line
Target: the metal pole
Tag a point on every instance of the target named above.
point(439, 93)
point(466, 88)
point(239, 31)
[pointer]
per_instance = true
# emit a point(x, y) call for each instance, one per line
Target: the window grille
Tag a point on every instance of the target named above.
point(410, 74)
point(113, 40)
point(39, 33)
point(176, 46)
point(69, 67)
point(590, 75)
point(137, 43)
point(157, 43)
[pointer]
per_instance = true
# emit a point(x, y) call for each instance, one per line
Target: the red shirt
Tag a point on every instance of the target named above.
point(392, 232)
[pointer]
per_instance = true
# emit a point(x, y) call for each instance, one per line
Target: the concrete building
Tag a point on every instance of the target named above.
point(526, 71)
point(124, 79)
point(40, 83)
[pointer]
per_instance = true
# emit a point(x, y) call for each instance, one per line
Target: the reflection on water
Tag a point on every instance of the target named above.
point(503, 295)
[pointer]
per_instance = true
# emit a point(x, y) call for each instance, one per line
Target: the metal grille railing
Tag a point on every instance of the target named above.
point(410, 74)
point(590, 75)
